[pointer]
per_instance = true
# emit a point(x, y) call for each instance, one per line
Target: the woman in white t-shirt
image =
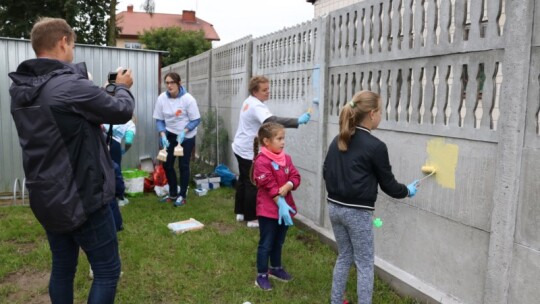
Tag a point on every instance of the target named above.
point(177, 117)
point(252, 115)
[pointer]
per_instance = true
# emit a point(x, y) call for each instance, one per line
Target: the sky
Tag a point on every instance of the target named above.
point(235, 19)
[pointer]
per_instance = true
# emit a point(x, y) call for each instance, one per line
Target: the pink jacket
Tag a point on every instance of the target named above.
point(269, 180)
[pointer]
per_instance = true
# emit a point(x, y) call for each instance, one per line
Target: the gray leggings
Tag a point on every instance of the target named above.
point(353, 231)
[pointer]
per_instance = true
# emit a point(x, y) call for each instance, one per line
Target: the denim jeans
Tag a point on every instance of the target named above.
point(116, 152)
point(97, 238)
point(187, 145)
point(272, 237)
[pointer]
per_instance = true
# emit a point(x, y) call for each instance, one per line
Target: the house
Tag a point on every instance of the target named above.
point(134, 23)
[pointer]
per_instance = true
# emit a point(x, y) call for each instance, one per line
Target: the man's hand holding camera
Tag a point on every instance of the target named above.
point(121, 76)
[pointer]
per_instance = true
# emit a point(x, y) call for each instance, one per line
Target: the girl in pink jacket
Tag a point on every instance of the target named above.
point(275, 177)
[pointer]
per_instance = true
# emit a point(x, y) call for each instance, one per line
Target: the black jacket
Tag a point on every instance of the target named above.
point(57, 112)
point(352, 177)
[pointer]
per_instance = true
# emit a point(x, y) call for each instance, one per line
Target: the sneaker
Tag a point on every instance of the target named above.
point(167, 199)
point(280, 274)
point(123, 202)
point(239, 217)
point(180, 201)
point(253, 224)
point(262, 282)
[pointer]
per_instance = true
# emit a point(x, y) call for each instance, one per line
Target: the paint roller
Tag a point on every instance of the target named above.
point(429, 170)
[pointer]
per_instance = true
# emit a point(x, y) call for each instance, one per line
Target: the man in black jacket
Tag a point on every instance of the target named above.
point(69, 175)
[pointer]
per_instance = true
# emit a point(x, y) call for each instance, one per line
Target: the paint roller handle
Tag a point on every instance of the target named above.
point(412, 188)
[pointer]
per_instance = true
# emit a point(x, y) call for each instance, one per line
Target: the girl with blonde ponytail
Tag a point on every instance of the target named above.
point(356, 164)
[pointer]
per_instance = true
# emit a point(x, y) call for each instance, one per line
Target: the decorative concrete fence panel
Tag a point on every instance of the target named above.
point(231, 71)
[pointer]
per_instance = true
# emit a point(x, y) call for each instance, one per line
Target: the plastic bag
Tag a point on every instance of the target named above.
point(134, 181)
point(227, 177)
point(160, 178)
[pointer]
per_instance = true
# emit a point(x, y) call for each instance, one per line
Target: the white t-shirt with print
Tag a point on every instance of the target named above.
point(177, 112)
point(252, 115)
point(119, 131)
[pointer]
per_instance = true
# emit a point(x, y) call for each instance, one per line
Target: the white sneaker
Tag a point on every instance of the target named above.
point(123, 202)
point(253, 224)
point(239, 217)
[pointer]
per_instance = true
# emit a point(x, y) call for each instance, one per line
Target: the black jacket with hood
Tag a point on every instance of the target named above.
point(57, 112)
point(352, 177)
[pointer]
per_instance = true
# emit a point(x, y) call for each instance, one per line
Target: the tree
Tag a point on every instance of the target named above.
point(179, 43)
point(112, 30)
point(148, 6)
point(88, 18)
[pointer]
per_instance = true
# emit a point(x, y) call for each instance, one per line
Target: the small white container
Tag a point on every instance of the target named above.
point(162, 155)
point(178, 151)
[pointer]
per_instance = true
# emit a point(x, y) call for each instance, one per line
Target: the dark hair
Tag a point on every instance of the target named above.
point(46, 32)
point(174, 76)
point(267, 130)
point(255, 82)
point(353, 113)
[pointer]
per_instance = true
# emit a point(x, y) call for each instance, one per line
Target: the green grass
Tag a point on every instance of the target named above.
point(212, 265)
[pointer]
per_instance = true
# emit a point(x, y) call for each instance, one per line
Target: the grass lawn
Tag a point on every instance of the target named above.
point(212, 265)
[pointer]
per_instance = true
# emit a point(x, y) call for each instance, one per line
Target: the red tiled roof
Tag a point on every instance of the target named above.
point(134, 23)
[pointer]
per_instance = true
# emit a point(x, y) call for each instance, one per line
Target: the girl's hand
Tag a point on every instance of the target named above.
point(283, 190)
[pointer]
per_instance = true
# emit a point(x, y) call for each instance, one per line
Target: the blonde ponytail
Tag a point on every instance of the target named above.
point(353, 113)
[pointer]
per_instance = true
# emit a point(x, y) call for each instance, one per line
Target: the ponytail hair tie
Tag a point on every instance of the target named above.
point(352, 104)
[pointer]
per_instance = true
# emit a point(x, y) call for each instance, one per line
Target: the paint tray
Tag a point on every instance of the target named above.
point(185, 226)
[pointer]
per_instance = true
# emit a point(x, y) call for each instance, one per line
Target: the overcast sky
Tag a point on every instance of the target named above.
point(235, 19)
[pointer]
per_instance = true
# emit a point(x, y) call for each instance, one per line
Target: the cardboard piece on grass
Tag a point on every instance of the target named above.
point(185, 226)
point(201, 192)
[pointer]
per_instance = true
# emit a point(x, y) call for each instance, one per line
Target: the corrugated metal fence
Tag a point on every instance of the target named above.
point(100, 61)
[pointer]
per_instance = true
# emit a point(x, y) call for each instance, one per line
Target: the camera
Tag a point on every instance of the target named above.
point(111, 78)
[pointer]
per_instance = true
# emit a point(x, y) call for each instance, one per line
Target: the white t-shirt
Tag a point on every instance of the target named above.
point(119, 131)
point(177, 112)
point(252, 115)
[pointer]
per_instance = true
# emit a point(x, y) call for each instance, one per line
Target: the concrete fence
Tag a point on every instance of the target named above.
point(459, 82)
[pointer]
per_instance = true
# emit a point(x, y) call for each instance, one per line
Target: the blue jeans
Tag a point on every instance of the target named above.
point(188, 145)
point(97, 238)
point(272, 237)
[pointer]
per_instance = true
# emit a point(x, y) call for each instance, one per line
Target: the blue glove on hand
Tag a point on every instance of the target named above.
point(123, 151)
point(284, 210)
point(164, 141)
point(181, 136)
point(412, 188)
point(304, 118)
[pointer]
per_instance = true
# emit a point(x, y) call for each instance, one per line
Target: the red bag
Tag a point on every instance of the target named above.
point(148, 184)
point(160, 179)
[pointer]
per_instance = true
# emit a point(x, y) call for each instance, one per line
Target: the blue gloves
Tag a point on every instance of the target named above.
point(181, 136)
point(304, 118)
point(123, 151)
point(412, 188)
point(164, 141)
point(129, 137)
point(284, 210)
